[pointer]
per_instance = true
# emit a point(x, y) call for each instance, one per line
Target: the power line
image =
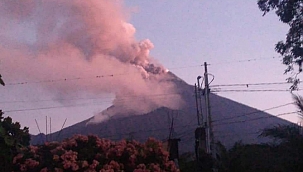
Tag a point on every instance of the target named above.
point(255, 112)
point(85, 104)
point(48, 100)
point(65, 79)
point(250, 84)
point(242, 61)
point(189, 125)
point(222, 63)
point(233, 134)
point(121, 74)
point(45, 108)
point(143, 131)
point(95, 98)
point(242, 121)
point(259, 90)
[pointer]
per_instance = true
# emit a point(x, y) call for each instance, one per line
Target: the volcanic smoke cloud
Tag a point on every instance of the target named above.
point(55, 39)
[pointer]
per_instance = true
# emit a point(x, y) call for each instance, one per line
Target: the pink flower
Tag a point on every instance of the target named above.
point(31, 163)
point(69, 155)
point(94, 164)
point(84, 164)
point(33, 149)
point(75, 167)
point(81, 138)
point(44, 170)
point(58, 170)
point(141, 170)
point(132, 158)
point(141, 166)
point(17, 157)
point(23, 167)
point(155, 167)
point(90, 170)
point(56, 158)
point(67, 164)
point(109, 170)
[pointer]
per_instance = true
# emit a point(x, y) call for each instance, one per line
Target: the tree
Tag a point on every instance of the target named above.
point(291, 13)
point(12, 139)
point(290, 145)
point(90, 153)
point(1, 81)
point(255, 157)
point(299, 103)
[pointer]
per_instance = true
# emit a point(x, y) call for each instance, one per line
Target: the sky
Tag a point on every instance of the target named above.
point(231, 36)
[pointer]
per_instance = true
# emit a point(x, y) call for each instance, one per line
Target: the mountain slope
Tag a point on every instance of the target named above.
point(232, 121)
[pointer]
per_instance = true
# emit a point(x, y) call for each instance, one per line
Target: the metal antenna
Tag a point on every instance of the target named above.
point(50, 129)
point(46, 129)
point(39, 130)
point(61, 128)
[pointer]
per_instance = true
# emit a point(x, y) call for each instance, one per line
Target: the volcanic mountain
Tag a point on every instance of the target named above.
point(231, 121)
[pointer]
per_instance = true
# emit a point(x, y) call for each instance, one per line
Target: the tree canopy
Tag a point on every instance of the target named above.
point(291, 49)
point(12, 139)
point(90, 153)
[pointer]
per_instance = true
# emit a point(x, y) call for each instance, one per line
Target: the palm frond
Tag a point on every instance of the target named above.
point(282, 132)
point(299, 103)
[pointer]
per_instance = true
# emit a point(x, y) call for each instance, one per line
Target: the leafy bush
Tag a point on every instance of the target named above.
point(12, 139)
point(90, 153)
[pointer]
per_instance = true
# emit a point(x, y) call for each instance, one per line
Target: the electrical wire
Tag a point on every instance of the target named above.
point(233, 134)
point(259, 90)
point(250, 84)
point(212, 78)
point(94, 98)
point(121, 74)
point(255, 112)
point(142, 131)
point(66, 79)
point(242, 121)
point(242, 61)
point(222, 63)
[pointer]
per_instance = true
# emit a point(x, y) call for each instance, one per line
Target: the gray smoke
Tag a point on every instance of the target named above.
point(57, 39)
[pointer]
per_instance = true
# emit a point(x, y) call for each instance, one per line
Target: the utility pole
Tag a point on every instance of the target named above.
point(208, 118)
point(197, 105)
point(210, 137)
point(46, 129)
point(201, 145)
point(199, 98)
point(204, 140)
point(50, 129)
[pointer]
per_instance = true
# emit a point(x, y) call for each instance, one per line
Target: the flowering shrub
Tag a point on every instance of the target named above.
point(90, 154)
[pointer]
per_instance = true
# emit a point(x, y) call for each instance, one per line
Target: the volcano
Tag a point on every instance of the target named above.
point(231, 121)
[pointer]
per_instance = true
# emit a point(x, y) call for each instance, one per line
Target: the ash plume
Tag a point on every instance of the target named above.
point(58, 39)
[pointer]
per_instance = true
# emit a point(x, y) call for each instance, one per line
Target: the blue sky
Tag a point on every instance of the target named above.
point(225, 34)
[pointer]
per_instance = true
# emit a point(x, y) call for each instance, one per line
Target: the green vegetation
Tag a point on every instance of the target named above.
point(90, 153)
point(285, 154)
point(290, 12)
point(12, 140)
